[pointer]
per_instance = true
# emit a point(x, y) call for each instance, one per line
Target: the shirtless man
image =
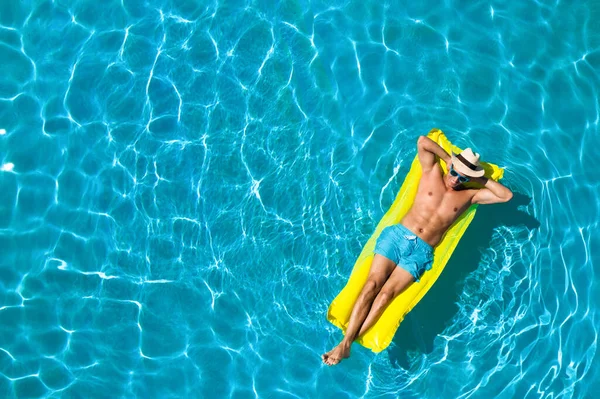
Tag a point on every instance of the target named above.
point(405, 251)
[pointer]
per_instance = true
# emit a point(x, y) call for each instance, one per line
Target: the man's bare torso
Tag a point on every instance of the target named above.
point(436, 207)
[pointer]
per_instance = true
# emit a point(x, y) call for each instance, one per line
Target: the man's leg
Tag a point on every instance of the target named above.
point(398, 282)
point(381, 269)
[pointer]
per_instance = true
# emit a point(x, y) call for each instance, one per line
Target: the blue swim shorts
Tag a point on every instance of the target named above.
point(405, 249)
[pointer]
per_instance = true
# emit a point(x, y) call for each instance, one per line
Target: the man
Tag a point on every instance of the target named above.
point(404, 251)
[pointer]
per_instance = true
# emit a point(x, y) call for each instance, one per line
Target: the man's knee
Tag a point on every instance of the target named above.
point(371, 287)
point(384, 298)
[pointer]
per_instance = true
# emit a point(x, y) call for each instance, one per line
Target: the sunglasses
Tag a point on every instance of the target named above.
point(461, 178)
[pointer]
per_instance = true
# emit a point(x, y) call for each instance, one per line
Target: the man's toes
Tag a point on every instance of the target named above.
point(332, 360)
point(324, 357)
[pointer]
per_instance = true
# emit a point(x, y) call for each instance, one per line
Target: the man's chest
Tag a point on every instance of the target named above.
point(443, 202)
point(433, 197)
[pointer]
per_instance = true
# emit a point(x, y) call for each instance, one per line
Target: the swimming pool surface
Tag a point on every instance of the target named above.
point(185, 186)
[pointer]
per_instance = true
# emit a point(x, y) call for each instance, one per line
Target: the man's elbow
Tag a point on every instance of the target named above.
point(508, 196)
point(421, 141)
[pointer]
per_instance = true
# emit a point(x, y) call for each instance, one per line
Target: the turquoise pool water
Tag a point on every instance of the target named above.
point(185, 186)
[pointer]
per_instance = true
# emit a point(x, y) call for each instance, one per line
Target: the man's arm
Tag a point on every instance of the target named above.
point(427, 150)
point(493, 192)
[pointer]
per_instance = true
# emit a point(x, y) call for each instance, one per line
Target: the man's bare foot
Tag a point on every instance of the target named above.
point(336, 355)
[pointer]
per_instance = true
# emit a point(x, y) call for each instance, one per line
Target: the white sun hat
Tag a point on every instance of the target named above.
point(467, 163)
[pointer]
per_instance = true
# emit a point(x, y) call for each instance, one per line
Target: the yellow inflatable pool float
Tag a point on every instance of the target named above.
point(378, 337)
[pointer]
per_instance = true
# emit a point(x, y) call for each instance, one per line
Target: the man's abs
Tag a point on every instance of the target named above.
point(430, 230)
point(430, 217)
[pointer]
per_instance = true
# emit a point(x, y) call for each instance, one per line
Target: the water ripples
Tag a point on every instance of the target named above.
point(186, 186)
